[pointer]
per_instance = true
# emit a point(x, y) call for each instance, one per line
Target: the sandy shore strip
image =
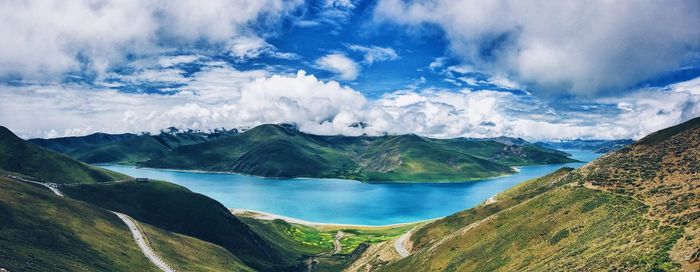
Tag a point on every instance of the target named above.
point(270, 216)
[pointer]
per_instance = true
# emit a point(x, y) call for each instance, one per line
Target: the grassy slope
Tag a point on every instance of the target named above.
point(184, 253)
point(425, 236)
point(567, 228)
point(271, 150)
point(634, 209)
point(29, 159)
point(43, 232)
point(176, 209)
point(663, 171)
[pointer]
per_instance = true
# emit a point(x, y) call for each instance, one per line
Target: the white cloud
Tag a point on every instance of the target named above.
point(217, 97)
point(344, 67)
point(250, 47)
point(43, 39)
point(221, 96)
point(170, 61)
point(375, 53)
point(575, 48)
point(437, 63)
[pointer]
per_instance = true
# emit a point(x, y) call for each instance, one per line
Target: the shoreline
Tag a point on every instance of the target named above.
point(271, 216)
point(516, 170)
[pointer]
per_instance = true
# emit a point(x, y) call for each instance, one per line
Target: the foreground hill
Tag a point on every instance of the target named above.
point(19, 156)
point(175, 209)
point(126, 148)
point(40, 231)
point(636, 209)
point(281, 151)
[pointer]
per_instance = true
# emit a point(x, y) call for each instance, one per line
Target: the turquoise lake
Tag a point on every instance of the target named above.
point(346, 201)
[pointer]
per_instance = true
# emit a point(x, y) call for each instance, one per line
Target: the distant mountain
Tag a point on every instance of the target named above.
point(597, 146)
point(283, 151)
point(20, 156)
point(635, 209)
point(126, 148)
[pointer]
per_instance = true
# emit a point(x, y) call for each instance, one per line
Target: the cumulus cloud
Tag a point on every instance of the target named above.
point(345, 68)
point(43, 39)
point(375, 53)
point(575, 48)
point(217, 97)
point(221, 96)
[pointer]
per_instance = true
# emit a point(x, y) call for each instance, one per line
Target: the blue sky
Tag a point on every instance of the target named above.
point(531, 69)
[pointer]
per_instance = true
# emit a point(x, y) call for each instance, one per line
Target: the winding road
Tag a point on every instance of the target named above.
point(336, 242)
point(398, 244)
point(135, 232)
point(145, 248)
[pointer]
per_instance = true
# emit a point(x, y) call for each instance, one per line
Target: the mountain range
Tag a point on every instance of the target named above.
point(597, 146)
point(284, 151)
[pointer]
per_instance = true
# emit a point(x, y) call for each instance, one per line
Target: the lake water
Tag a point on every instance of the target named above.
point(346, 201)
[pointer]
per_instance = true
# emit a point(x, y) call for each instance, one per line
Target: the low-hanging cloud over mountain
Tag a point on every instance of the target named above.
point(221, 96)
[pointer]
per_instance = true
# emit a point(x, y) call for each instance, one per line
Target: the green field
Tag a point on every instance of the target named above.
point(298, 241)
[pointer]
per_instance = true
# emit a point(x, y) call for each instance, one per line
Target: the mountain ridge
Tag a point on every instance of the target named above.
point(278, 151)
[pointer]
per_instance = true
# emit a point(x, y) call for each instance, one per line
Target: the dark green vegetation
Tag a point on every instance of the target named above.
point(176, 209)
point(126, 148)
point(280, 151)
point(636, 209)
point(40, 231)
point(19, 156)
point(184, 253)
point(597, 146)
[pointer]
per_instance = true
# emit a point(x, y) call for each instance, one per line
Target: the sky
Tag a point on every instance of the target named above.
point(540, 70)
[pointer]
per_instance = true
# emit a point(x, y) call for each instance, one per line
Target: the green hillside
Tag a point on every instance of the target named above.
point(184, 253)
point(126, 148)
point(22, 157)
point(280, 151)
point(40, 231)
point(632, 210)
point(176, 209)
